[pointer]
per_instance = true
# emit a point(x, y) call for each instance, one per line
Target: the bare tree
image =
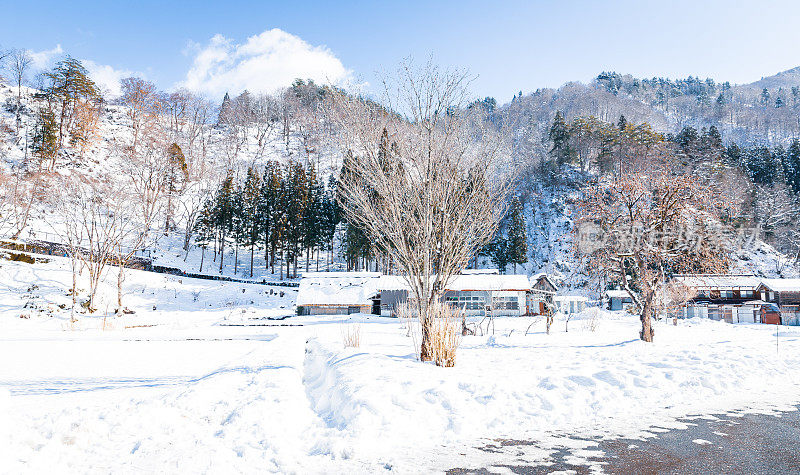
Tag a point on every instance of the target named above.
point(266, 114)
point(640, 227)
point(20, 64)
point(94, 219)
point(18, 196)
point(427, 185)
point(67, 227)
point(143, 109)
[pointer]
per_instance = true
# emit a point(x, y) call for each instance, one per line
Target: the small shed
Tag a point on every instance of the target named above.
point(568, 304)
point(618, 299)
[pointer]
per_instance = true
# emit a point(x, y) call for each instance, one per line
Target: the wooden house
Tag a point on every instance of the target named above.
point(785, 294)
point(540, 297)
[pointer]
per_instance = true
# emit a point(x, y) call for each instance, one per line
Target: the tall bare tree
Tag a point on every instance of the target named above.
point(20, 64)
point(431, 193)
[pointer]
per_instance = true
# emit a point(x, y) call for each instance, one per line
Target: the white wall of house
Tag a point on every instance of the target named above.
point(502, 302)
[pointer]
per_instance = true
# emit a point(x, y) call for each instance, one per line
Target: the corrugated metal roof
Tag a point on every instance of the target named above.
point(337, 288)
point(718, 281)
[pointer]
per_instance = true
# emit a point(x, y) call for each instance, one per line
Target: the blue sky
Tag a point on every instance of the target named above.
point(510, 46)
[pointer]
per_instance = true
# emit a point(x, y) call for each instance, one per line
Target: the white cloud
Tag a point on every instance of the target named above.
point(107, 78)
point(264, 63)
point(44, 59)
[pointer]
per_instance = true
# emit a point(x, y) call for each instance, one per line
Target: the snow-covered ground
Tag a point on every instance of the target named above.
point(183, 386)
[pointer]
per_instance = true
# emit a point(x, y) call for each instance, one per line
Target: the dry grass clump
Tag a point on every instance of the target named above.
point(445, 334)
point(351, 335)
point(446, 327)
point(591, 323)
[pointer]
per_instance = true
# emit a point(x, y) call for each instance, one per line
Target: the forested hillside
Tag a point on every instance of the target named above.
point(247, 186)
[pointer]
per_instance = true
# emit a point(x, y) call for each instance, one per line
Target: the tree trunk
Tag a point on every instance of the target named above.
point(426, 346)
point(251, 259)
point(221, 253)
point(74, 288)
point(202, 255)
point(120, 278)
point(647, 332)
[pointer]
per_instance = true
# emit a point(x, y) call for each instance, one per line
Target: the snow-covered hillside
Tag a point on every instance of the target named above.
point(214, 149)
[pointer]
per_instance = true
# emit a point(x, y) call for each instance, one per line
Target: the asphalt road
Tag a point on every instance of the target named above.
point(750, 444)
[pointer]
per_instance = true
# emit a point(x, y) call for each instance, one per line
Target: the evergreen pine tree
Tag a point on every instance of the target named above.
point(177, 174)
point(331, 216)
point(223, 214)
point(250, 212)
point(312, 215)
point(559, 136)
point(204, 227)
point(225, 110)
point(791, 166)
point(517, 247)
point(295, 197)
point(44, 140)
point(269, 212)
point(765, 98)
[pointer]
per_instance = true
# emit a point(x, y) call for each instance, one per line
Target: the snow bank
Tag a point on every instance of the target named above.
point(603, 383)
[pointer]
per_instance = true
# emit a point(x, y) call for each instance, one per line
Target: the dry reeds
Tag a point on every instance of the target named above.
point(445, 332)
point(351, 335)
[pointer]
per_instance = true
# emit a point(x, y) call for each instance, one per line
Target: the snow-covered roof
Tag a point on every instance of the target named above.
point(618, 294)
point(782, 285)
point(462, 282)
point(338, 288)
point(392, 282)
point(718, 281)
point(481, 271)
point(538, 276)
point(534, 279)
point(489, 282)
point(567, 298)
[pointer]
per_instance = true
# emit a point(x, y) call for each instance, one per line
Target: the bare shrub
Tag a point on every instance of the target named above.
point(351, 335)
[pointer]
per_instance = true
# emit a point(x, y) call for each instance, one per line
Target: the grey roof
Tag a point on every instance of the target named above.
point(718, 281)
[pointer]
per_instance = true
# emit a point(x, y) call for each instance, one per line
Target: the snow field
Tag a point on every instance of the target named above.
point(176, 389)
